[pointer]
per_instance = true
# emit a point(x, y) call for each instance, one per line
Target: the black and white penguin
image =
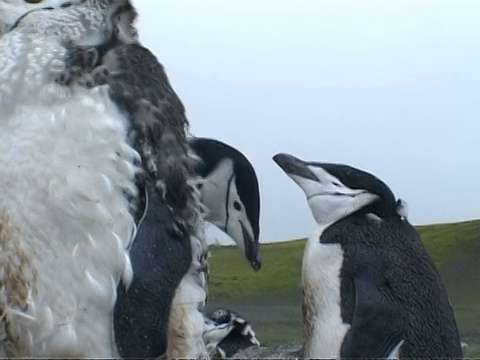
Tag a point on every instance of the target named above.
point(370, 290)
point(228, 333)
point(157, 255)
point(214, 333)
point(230, 193)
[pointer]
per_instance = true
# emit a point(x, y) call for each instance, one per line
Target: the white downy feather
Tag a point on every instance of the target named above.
point(66, 169)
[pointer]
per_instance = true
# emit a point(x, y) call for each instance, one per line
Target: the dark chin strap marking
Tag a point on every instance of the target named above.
point(332, 194)
point(227, 198)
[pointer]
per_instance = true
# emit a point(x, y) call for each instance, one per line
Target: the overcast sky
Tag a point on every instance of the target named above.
point(391, 87)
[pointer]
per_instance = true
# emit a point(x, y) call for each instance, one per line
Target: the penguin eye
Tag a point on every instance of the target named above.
point(335, 184)
point(199, 186)
point(33, 1)
point(237, 206)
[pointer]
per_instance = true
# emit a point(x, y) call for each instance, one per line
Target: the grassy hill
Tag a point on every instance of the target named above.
point(270, 299)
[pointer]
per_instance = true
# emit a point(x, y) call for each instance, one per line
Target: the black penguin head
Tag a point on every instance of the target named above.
point(335, 191)
point(215, 332)
point(230, 193)
point(240, 334)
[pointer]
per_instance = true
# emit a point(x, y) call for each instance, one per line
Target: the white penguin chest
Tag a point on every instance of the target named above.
point(324, 329)
point(65, 171)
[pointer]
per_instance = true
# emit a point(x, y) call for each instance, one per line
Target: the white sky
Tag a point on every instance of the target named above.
point(391, 87)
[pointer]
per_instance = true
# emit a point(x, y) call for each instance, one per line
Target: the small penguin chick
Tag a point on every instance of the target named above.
point(227, 333)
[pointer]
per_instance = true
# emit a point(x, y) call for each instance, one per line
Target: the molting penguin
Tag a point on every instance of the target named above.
point(230, 192)
point(370, 290)
point(228, 333)
point(94, 157)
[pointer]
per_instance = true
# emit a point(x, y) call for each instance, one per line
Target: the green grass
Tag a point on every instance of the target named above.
point(270, 299)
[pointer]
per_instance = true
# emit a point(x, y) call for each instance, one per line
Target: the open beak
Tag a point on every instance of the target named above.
point(294, 166)
point(251, 249)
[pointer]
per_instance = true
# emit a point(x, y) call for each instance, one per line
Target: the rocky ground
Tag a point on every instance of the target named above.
point(293, 351)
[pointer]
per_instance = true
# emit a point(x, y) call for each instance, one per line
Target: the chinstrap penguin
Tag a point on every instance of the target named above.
point(141, 334)
point(370, 290)
point(230, 193)
point(228, 333)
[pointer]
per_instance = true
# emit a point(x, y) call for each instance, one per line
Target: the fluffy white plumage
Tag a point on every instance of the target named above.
point(66, 169)
point(68, 202)
point(67, 173)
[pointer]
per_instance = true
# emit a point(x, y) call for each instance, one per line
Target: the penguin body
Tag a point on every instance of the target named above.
point(370, 290)
point(159, 261)
point(160, 256)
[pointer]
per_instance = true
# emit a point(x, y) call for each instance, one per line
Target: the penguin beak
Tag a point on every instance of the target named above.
point(216, 332)
point(294, 166)
point(251, 249)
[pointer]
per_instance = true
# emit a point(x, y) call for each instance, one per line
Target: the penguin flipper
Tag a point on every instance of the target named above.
point(160, 257)
point(378, 326)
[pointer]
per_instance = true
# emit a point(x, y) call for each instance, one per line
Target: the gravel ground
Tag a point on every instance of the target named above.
point(278, 352)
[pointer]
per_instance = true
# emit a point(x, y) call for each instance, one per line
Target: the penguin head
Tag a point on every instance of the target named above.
point(230, 193)
point(241, 335)
point(335, 191)
point(215, 332)
point(11, 11)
